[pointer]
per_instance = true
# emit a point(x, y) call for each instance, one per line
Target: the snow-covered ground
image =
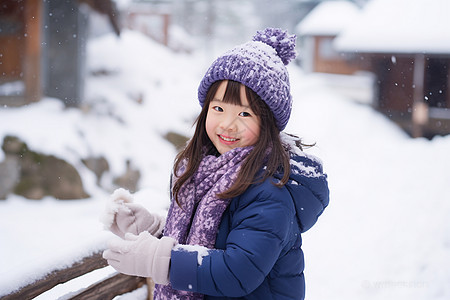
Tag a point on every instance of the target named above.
point(385, 234)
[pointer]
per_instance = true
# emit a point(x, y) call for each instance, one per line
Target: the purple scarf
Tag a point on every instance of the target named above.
point(213, 176)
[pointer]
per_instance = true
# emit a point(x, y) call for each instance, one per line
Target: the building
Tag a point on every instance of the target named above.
point(408, 45)
point(42, 49)
point(317, 32)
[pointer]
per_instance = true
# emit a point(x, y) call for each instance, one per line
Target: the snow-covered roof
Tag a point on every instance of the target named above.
point(328, 18)
point(399, 26)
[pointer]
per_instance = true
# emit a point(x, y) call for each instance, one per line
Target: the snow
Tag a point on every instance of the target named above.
point(201, 251)
point(12, 88)
point(77, 285)
point(117, 199)
point(385, 234)
point(328, 18)
point(399, 26)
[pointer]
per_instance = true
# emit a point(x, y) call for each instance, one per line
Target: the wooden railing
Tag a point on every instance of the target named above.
point(107, 288)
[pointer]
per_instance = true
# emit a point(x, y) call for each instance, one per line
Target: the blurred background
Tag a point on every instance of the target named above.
point(101, 94)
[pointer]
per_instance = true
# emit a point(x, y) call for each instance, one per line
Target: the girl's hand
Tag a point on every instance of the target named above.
point(122, 216)
point(142, 255)
point(134, 218)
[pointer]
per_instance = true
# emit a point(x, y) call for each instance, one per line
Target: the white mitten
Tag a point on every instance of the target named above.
point(123, 216)
point(142, 255)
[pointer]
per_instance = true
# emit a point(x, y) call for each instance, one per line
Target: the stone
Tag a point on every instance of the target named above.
point(98, 165)
point(179, 141)
point(130, 179)
point(40, 175)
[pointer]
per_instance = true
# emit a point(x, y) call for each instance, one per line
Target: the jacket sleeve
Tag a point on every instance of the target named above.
point(259, 229)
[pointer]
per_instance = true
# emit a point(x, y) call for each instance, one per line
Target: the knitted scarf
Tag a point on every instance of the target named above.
point(197, 221)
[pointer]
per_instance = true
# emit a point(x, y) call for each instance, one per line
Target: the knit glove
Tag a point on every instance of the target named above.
point(143, 255)
point(122, 216)
point(134, 218)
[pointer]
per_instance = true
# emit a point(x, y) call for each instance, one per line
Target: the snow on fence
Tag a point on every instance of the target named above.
point(107, 288)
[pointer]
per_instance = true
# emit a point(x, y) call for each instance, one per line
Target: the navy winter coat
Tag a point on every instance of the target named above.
point(258, 248)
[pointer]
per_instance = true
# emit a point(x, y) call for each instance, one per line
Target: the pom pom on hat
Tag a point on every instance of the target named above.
point(260, 65)
point(278, 39)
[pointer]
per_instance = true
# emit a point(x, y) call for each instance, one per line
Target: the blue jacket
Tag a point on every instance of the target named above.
point(258, 248)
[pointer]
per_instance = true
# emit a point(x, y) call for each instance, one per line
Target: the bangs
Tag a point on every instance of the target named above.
point(233, 96)
point(233, 93)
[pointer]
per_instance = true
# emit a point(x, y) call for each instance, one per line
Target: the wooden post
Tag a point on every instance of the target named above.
point(166, 22)
point(32, 50)
point(420, 108)
point(150, 288)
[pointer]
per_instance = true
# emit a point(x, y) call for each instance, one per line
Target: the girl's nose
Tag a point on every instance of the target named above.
point(229, 123)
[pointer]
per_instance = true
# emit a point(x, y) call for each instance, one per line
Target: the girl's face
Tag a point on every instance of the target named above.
point(230, 126)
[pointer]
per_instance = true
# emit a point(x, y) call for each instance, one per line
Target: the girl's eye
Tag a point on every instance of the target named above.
point(245, 114)
point(218, 108)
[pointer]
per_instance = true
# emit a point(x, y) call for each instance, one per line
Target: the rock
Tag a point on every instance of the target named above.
point(130, 179)
point(9, 175)
point(98, 165)
point(40, 174)
point(176, 139)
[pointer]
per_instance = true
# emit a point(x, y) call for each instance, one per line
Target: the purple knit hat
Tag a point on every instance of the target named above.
point(261, 66)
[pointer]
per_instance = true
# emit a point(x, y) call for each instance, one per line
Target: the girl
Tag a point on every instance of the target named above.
point(242, 191)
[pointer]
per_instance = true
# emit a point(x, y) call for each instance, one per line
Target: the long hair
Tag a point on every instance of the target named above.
point(277, 160)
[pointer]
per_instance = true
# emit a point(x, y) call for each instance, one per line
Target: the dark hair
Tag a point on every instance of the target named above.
point(269, 139)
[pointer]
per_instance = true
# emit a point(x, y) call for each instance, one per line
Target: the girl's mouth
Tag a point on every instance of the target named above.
point(227, 140)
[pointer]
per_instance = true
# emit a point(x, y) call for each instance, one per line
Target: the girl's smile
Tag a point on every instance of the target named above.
point(227, 140)
point(230, 126)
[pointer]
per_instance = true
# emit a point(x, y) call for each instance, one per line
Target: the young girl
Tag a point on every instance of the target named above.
point(242, 191)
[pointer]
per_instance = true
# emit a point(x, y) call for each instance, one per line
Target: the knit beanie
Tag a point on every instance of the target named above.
point(260, 65)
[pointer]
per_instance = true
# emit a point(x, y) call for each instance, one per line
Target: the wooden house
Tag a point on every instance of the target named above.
point(408, 46)
point(42, 49)
point(20, 51)
point(317, 32)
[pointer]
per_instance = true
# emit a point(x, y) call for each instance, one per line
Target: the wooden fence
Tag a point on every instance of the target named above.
point(107, 288)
